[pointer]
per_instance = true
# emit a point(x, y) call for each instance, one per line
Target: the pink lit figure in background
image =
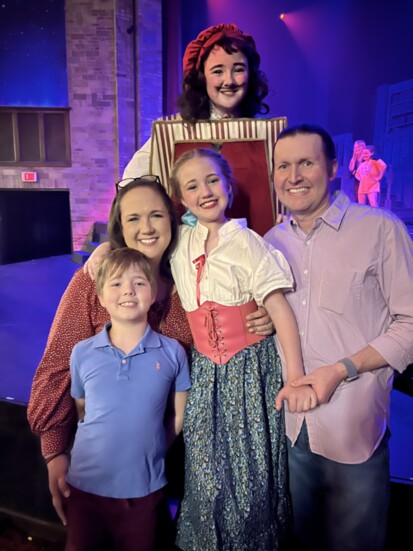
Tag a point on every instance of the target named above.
point(369, 173)
point(355, 162)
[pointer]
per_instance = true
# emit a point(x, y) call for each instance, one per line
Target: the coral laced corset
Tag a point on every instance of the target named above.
point(219, 331)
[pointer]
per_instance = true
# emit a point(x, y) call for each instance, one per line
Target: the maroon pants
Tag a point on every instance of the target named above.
point(96, 523)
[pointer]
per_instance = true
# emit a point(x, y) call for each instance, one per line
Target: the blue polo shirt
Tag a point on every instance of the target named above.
point(119, 448)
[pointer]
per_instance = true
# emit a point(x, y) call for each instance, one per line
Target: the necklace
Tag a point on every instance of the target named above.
point(215, 116)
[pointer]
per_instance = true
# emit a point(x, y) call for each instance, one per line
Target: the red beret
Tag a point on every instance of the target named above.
point(195, 49)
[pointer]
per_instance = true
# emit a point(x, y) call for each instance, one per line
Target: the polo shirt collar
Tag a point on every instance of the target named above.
point(150, 338)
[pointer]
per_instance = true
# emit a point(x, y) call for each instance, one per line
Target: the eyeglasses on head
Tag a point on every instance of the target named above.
point(122, 184)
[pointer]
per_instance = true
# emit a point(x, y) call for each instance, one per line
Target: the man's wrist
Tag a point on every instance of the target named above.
point(352, 373)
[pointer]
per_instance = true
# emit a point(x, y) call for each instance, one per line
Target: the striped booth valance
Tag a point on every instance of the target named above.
point(247, 144)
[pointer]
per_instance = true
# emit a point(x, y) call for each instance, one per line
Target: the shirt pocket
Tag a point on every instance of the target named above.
point(340, 291)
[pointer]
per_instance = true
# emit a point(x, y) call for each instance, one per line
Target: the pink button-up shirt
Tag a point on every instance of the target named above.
point(354, 287)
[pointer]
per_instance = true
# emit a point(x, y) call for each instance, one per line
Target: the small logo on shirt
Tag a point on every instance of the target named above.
point(158, 366)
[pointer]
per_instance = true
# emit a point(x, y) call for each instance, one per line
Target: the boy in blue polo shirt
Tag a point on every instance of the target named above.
point(130, 386)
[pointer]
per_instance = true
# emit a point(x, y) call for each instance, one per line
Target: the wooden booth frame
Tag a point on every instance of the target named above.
point(248, 146)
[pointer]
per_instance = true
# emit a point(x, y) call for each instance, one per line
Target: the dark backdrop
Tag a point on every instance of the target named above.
point(325, 62)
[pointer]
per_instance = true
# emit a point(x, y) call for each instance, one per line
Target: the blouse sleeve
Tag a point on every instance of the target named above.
point(139, 164)
point(51, 411)
point(271, 269)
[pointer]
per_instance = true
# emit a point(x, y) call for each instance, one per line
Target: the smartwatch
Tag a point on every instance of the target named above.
point(351, 369)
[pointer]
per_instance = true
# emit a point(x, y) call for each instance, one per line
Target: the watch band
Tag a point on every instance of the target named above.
point(351, 369)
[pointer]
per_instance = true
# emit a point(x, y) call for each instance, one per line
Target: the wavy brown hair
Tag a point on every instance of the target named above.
point(115, 230)
point(194, 103)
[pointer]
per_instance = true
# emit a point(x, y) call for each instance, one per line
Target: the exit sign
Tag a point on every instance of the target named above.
point(29, 176)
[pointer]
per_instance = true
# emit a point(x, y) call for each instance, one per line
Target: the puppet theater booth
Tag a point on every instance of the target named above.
point(246, 144)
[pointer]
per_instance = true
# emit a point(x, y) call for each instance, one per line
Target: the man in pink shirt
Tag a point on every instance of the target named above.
point(354, 311)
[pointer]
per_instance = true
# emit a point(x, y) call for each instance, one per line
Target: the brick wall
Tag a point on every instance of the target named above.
point(102, 100)
point(91, 63)
point(149, 58)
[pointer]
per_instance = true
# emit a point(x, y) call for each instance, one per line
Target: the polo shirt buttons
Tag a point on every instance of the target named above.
point(123, 371)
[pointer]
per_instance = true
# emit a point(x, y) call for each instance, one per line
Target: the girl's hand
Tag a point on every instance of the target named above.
point(300, 399)
point(100, 253)
point(259, 322)
point(324, 380)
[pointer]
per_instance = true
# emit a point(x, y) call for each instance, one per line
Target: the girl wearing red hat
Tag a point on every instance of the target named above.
point(222, 79)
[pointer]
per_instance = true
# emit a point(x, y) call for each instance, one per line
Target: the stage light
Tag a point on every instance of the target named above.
point(282, 16)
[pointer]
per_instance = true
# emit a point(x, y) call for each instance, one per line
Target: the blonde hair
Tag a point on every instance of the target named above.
point(199, 153)
point(117, 262)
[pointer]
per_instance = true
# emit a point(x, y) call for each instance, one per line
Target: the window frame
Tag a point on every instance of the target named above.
point(41, 112)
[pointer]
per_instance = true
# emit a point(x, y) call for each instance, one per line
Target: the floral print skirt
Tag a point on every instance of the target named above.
point(236, 487)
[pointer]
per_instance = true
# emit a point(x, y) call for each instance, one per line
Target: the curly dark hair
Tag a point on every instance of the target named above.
point(194, 103)
point(115, 230)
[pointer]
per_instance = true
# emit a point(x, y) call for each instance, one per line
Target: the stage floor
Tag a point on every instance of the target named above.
point(29, 295)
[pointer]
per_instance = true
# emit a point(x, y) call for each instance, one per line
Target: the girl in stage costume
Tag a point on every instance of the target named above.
point(235, 457)
point(355, 162)
point(369, 172)
point(222, 79)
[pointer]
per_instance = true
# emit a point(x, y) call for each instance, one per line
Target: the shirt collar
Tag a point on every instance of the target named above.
point(230, 226)
point(150, 339)
point(333, 216)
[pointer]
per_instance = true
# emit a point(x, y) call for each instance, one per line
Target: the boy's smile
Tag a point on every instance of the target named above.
point(127, 296)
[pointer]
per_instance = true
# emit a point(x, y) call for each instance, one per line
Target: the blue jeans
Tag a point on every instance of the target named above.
point(338, 507)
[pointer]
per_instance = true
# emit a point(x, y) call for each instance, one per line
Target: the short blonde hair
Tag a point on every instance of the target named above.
point(117, 262)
